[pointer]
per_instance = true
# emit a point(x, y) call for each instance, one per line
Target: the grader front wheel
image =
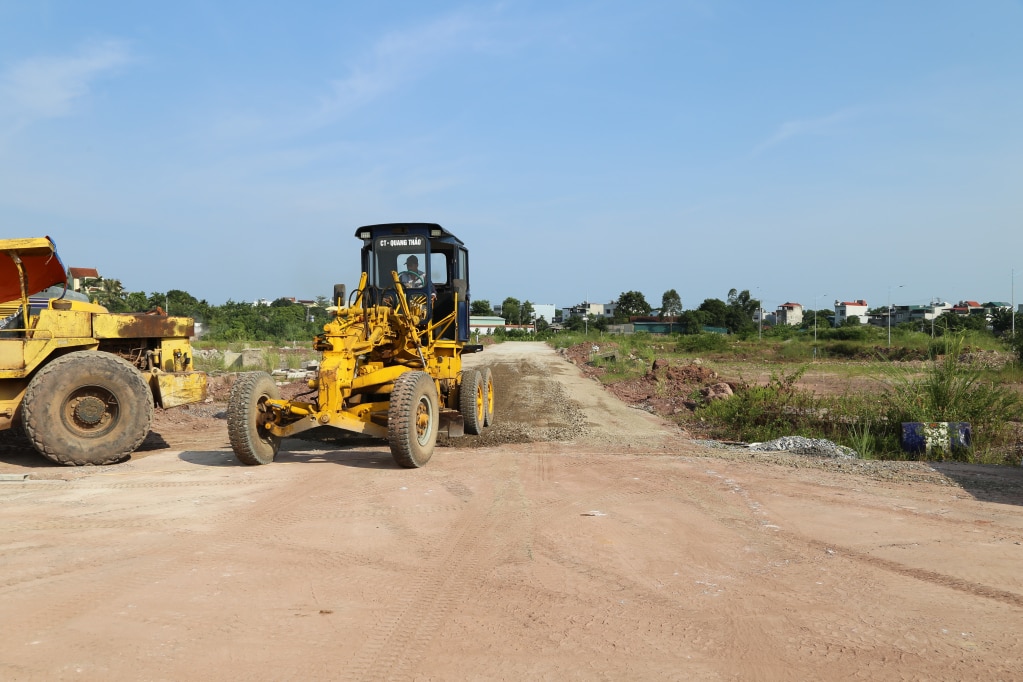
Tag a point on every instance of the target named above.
point(488, 397)
point(471, 402)
point(246, 416)
point(412, 419)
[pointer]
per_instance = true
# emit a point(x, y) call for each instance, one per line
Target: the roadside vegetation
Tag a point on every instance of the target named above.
point(848, 386)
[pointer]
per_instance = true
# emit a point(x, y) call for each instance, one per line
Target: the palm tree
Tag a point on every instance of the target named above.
point(111, 293)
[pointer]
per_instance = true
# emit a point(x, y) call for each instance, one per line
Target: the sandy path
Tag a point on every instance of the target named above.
point(616, 551)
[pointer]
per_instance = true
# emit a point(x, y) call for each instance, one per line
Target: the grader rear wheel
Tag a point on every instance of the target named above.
point(471, 402)
point(246, 415)
point(87, 407)
point(488, 397)
point(412, 419)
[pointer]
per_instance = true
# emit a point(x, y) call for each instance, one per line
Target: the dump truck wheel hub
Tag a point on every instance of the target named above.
point(89, 411)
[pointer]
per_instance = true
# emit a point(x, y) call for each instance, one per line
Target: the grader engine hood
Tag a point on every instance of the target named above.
point(40, 266)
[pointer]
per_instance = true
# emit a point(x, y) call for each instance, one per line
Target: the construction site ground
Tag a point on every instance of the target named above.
point(578, 539)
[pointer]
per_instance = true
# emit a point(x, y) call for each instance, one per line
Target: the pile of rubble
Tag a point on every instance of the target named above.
point(665, 389)
point(799, 445)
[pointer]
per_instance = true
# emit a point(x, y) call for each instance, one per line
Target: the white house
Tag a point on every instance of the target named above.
point(485, 324)
point(846, 309)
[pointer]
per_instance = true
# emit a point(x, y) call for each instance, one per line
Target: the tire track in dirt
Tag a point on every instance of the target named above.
point(399, 640)
point(927, 576)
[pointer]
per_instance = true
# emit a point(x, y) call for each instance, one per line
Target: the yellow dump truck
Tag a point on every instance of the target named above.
point(80, 380)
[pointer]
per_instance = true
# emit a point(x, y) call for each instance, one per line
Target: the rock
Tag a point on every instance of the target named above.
point(659, 363)
point(718, 391)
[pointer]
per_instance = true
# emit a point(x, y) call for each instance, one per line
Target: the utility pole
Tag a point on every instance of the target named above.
point(815, 318)
point(890, 314)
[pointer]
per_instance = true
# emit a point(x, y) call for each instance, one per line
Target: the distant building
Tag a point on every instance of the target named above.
point(586, 308)
point(847, 309)
point(968, 308)
point(485, 324)
point(789, 313)
point(910, 313)
point(79, 277)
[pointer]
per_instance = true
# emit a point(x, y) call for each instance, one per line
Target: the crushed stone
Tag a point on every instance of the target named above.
point(801, 445)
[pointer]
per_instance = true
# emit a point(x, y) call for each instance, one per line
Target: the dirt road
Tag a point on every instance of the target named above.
point(580, 540)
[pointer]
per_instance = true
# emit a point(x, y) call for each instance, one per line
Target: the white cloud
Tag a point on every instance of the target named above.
point(825, 125)
point(397, 58)
point(48, 87)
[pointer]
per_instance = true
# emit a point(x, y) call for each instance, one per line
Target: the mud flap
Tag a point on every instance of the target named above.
point(451, 423)
point(171, 389)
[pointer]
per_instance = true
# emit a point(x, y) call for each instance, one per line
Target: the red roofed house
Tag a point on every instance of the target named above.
point(845, 310)
point(968, 308)
point(79, 279)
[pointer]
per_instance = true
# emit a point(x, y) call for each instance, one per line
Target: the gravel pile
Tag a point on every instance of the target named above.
point(804, 446)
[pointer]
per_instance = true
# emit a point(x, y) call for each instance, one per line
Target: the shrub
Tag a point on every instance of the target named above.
point(701, 343)
point(951, 391)
point(759, 413)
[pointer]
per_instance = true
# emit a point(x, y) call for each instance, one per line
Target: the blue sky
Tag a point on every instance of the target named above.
point(806, 151)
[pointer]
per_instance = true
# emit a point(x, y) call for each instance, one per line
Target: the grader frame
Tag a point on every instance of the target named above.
point(391, 357)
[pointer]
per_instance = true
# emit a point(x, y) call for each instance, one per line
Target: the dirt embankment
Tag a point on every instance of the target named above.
point(580, 539)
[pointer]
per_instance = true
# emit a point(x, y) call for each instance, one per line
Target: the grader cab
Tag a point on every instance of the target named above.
point(391, 356)
point(82, 381)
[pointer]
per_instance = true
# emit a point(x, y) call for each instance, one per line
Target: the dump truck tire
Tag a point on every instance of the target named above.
point(412, 419)
point(251, 442)
point(471, 401)
point(87, 407)
point(488, 397)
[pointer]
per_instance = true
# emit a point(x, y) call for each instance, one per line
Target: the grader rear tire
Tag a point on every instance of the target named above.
point(87, 407)
point(412, 419)
point(471, 403)
point(246, 410)
point(488, 397)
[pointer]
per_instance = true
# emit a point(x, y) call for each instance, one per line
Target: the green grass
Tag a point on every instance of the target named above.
point(270, 356)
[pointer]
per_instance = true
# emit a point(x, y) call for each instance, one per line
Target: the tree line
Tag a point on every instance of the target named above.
point(285, 320)
point(735, 315)
point(738, 314)
point(282, 320)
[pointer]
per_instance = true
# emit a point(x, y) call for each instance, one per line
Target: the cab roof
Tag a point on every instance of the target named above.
point(432, 230)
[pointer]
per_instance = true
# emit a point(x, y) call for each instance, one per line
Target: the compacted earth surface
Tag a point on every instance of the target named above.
point(579, 538)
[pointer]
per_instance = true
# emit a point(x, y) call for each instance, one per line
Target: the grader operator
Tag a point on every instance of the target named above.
point(391, 356)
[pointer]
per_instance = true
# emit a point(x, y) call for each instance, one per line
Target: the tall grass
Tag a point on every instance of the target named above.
point(951, 390)
point(945, 390)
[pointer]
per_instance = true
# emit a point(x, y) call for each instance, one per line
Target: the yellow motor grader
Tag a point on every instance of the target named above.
point(391, 356)
point(82, 381)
